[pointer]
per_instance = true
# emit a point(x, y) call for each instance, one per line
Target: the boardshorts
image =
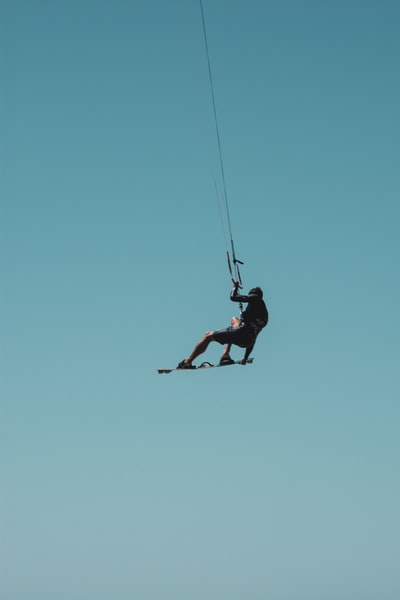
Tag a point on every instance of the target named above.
point(239, 336)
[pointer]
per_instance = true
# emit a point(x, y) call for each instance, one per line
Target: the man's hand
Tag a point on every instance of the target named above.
point(245, 358)
point(235, 283)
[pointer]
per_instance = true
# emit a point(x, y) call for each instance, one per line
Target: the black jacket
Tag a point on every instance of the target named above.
point(255, 316)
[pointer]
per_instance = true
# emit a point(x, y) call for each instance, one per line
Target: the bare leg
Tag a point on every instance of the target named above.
point(226, 352)
point(235, 322)
point(200, 347)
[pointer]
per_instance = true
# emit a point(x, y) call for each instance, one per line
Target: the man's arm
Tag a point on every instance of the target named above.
point(235, 297)
point(249, 350)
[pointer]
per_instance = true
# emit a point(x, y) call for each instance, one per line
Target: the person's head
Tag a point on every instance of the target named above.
point(257, 291)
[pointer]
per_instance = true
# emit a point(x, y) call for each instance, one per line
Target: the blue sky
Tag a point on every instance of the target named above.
point(277, 480)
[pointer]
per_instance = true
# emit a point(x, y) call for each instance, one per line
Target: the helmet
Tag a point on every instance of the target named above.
point(256, 292)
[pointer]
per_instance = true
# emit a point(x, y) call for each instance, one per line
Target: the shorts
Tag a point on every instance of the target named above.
point(239, 336)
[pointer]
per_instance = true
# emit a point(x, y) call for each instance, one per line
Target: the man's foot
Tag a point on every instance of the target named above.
point(226, 360)
point(185, 365)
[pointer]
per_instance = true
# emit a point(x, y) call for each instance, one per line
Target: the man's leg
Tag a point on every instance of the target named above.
point(200, 347)
point(235, 322)
point(226, 352)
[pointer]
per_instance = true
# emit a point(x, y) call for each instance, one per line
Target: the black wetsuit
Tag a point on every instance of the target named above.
point(252, 320)
point(255, 316)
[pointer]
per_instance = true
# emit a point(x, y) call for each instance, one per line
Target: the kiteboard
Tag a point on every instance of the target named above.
point(206, 365)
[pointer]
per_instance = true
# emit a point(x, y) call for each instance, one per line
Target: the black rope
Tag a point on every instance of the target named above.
point(235, 260)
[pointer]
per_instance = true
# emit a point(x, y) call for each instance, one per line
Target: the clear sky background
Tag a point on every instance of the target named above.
point(275, 481)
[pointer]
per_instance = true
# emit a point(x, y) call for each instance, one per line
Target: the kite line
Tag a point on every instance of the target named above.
point(235, 272)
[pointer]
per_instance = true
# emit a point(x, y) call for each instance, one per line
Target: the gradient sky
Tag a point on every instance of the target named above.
point(275, 481)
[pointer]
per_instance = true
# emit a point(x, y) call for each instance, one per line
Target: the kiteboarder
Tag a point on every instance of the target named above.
point(242, 332)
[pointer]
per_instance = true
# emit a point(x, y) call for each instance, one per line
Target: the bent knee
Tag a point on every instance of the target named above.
point(208, 335)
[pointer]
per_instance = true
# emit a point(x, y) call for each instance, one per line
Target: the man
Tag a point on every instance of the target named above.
point(243, 332)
